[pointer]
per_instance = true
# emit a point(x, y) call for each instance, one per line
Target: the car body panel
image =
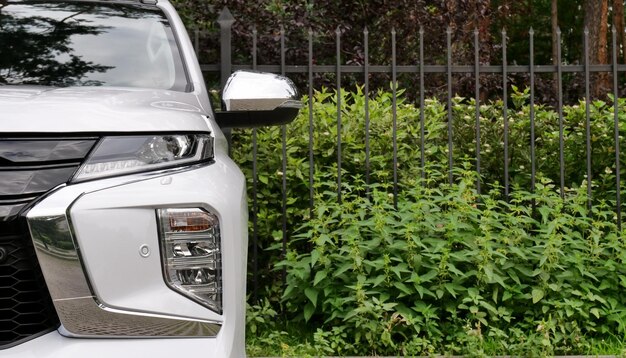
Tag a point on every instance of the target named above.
point(99, 110)
point(111, 217)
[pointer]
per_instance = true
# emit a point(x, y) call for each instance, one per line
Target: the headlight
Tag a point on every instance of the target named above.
point(132, 154)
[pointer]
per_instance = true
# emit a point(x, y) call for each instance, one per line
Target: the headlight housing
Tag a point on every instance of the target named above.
point(191, 254)
point(119, 155)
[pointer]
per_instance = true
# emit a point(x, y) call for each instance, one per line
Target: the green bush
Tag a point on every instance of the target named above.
point(449, 265)
point(449, 270)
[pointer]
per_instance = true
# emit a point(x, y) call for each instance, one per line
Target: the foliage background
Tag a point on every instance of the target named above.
point(489, 17)
point(449, 271)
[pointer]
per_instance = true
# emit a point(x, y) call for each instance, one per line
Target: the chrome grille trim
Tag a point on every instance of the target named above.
point(30, 166)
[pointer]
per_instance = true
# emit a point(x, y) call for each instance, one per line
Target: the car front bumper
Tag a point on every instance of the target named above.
point(111, 298)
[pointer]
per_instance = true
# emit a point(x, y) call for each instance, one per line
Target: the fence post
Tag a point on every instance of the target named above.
point(226, 21)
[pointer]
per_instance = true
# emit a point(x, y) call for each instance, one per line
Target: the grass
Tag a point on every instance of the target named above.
point(303, 343)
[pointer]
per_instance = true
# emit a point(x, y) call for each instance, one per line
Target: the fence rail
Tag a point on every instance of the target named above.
point(422, 69)
point(388, 69)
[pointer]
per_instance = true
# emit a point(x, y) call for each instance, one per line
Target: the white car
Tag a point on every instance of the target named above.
point(123, 222)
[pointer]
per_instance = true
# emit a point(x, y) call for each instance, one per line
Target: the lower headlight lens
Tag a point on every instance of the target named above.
point(191, 254)
point(131, 154)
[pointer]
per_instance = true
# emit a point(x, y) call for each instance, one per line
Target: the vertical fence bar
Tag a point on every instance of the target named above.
point(394, 99)
point(338, 43)
point(559, 76)
point(421, 70)
point(531, 35)
point(449, 80)
point(505, 117)
point(311, 161)
point(282, 50)
point(587, 116)
point(226, 21)
point(255, 205)
point(618, 189)
point(477, 102)
point(284, 154)
point(366, 75)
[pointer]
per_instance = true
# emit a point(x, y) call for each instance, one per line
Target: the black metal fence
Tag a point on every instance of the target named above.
point(420, 69)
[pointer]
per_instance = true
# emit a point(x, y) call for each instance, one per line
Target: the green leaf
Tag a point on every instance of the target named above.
point(319, 276)
point(594, 311)
point(506, 296)
point(489, 307)
point(398, 270)
point(519, 252)
point(514, 277)
point(315, 255)
point(311, 294)
point(309, 309)
point(402, 287)
point(428, 276)
point(439, 293)
point(488, 273)
point(452, 288)
point(422, 291)
point(378, 280)
point(537, 294)
point(343, 268)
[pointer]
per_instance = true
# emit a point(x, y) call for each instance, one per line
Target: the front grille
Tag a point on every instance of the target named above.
point(25, 305)
point(29, 168)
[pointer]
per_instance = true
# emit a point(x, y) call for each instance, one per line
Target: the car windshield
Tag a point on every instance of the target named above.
point(64, 44)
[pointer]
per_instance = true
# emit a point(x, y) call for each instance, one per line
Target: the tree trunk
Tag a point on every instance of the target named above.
point(618, 23)
point(596, 21)
point(554, 15)
point(483, 17)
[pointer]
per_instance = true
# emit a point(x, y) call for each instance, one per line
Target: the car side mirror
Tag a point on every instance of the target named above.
point(256, 99)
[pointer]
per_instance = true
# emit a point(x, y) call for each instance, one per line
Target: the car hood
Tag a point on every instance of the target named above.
point(33, 109)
